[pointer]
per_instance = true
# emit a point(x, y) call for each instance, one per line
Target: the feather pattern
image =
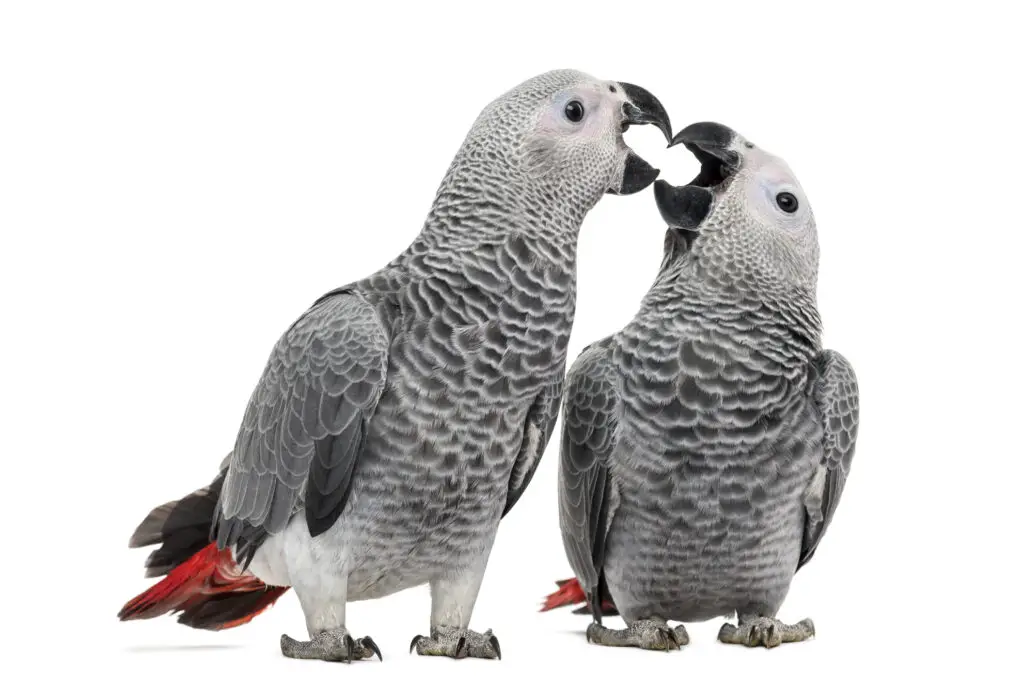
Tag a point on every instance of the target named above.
point(714, 421)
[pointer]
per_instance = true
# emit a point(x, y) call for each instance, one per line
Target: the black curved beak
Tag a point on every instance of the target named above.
point(686, 207)
point(682, 207)
point(710, 143)
point(641, 107)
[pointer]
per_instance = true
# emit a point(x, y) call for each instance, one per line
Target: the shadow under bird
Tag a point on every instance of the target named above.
point(706, 445)
point(401, 417)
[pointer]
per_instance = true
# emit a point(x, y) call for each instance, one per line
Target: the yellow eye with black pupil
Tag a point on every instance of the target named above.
point(574, 111)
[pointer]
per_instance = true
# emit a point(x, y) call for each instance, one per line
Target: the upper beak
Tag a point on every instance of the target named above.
point(709, 141)
point(640, 107)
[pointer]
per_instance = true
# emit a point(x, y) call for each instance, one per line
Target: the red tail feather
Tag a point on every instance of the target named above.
point(569, 593)
point(207, 576)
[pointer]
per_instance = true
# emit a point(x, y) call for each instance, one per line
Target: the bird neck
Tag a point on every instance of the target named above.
point(473, 209)
point(784, 316)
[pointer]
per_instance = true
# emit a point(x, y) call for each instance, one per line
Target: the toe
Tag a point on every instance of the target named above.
point(370, 649)
point(484, 646)
point(288, 646)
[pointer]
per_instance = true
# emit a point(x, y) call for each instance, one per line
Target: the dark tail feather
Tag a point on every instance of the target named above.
point(570, 593)
point(201, 582)
point(181, 528)
point(224, 611)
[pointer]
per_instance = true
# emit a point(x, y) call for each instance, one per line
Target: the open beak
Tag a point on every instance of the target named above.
point(640, 107)
point(714, 146)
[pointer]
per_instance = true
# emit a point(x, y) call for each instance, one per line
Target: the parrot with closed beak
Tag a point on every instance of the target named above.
point(402, 416)
point(706, 445)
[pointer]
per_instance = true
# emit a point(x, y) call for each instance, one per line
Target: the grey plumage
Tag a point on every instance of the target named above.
point(305, 424)
point(705, 446)
point(586, 497)
point(404, 414)
point(837, 399)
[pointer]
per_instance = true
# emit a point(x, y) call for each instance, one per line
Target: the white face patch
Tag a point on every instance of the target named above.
point(773, 195)
point(598, 107)
point(760, 232)
point(579, 129)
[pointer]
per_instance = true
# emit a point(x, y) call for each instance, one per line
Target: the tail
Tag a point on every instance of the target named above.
point(202, 583)
point(569, 593)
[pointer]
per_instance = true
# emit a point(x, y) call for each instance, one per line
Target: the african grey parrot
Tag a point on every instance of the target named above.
point(403, 415)
point(705, 445)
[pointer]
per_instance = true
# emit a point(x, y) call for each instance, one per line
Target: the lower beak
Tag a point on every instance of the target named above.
point(682, 207)
point(637, 175)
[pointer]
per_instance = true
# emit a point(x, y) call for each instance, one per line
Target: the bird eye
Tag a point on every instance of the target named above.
point(574, 111)
point(787, 202)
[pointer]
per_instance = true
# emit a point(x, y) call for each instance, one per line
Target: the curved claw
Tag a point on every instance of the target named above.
point(460, 648)
point(497, 647)
point(415, 641)
point(771, 639)
point(368, 643)
point(350, 648)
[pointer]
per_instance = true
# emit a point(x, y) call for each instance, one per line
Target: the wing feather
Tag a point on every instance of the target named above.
point(304, 427)
point(837, 399)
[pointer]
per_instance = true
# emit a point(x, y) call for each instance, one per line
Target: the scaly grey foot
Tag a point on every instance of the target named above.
point(330, 645)
point(457, 643)
point(766, 632)
point(653, 634)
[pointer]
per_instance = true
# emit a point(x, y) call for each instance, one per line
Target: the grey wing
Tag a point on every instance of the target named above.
point(837, 399)
point(305, 424)
point(585, 495)
point(540, 421)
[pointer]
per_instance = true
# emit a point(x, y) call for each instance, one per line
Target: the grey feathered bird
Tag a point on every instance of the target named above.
point(404, 414)
point(705, 446)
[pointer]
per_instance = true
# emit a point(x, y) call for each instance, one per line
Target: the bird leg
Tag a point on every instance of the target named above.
point(653, 634)
point(330, 645)
point(755, 630)
point(323, 604)
point(452, 597)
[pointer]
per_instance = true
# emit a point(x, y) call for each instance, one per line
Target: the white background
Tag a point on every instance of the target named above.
point(178, 181)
